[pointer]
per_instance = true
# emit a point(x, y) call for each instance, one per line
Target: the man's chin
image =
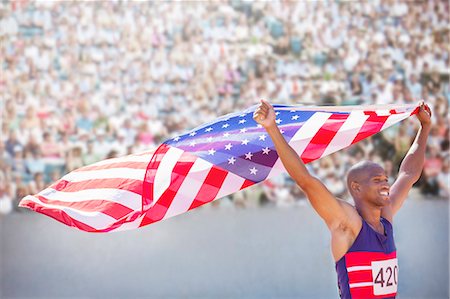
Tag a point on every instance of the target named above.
point(385, 200)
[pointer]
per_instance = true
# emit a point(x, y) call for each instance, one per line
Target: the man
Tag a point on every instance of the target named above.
point(362, 240)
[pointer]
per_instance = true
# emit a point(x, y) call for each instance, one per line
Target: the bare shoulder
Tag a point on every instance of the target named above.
point(343, 236)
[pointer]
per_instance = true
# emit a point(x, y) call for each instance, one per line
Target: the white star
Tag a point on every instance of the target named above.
point(262, 137)
point(192, 143)
point(253, 170)
point(281, 131)
point(243, 130)
point(225, 126)
point(242, 121)
point(208, 129)
point(295, 117)
point(278, 112)
point(242, 115)
point(176, 138)
point(258, 126)
point(209, 139)
point(211, 152)
point(278, 121)
point(226, 134)
point(231, 160)
point(193, 134)
point(248, 155)
point(292, 111)
point(245, 142)
point(266, 151)
point(228, 146)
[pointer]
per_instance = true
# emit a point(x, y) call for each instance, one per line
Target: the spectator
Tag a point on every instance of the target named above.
point(203, 62)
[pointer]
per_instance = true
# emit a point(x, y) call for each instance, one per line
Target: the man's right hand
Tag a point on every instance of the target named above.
point(265, 115)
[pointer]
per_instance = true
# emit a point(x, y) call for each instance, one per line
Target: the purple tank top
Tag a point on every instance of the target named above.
point(369, 269)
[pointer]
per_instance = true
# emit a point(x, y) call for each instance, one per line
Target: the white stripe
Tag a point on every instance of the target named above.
point(301, 139)
point(231, 184)
point(164, 171)
point(130, 158)
point(96, 220)
point(382, 112)
point(359, 268)
point(124, 197)
point(347, 133)
point(397, 107)
point(130, 225)
point(360, 284)
point(189, 188)
point(311, 126)
point(112, 173)
point(395, 118)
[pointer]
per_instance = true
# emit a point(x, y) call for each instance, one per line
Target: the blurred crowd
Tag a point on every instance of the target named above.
point(86, 81)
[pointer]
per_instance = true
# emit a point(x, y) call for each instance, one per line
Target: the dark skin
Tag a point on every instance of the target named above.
point(367, 183)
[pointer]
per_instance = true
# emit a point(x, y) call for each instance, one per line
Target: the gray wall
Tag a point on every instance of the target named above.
point(211, 253)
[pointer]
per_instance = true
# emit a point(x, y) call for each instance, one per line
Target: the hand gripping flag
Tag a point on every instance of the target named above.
point(204, 164)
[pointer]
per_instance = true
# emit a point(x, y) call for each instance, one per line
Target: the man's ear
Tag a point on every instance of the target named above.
point(355, 186)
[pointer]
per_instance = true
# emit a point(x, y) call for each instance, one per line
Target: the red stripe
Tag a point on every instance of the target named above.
point(210, 187)
point(371, 126)
point(247, 183)
point(149, 178)
point(113, 209)
point(365, 258)
point(323, 137)
point(133, 165)
point(122, 184)
point(58, 215)
point(360, 276)
point(179, 173)
point(367, 292)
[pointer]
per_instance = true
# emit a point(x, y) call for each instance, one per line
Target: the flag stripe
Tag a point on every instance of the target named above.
point(346, 133)
point(121, 184)
point(123, 197)
point(144, 158)
point(210, 187)
point(56, 213)
point(179, 173)
point(371, 126)
point(324, 135)
point(393, 119)
point(230, 184)
point(191, 185)
point(95, 220)
point(120, 164)
point(163, 175)
point(301, 139)
point(110, 208)
point(115, 173)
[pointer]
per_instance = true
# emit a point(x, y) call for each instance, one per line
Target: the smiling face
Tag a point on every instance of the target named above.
point(368, 184)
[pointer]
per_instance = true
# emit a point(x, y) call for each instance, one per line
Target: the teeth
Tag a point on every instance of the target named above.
point(384, 193)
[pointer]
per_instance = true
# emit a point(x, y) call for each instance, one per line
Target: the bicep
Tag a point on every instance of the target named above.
point(399, 191)
point(329, 208)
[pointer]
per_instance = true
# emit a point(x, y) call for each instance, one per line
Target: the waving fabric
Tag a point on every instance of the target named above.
point(204, 164)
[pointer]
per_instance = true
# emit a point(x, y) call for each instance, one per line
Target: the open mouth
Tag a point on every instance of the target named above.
point(384, 193)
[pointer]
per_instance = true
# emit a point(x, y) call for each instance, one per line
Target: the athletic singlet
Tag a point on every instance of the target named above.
point(369, 269)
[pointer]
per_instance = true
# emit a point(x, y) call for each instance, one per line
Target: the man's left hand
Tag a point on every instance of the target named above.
point(424, 114)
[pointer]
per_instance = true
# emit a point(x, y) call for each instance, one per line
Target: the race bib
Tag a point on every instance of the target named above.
point(385, 277)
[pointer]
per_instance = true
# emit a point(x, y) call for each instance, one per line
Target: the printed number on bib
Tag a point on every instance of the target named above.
point(385, 277)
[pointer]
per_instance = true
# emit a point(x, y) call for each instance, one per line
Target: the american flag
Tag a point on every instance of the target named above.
point(202, 165)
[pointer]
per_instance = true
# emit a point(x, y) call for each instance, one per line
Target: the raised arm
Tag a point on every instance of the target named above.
point(412, 164)
point(334, 212)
